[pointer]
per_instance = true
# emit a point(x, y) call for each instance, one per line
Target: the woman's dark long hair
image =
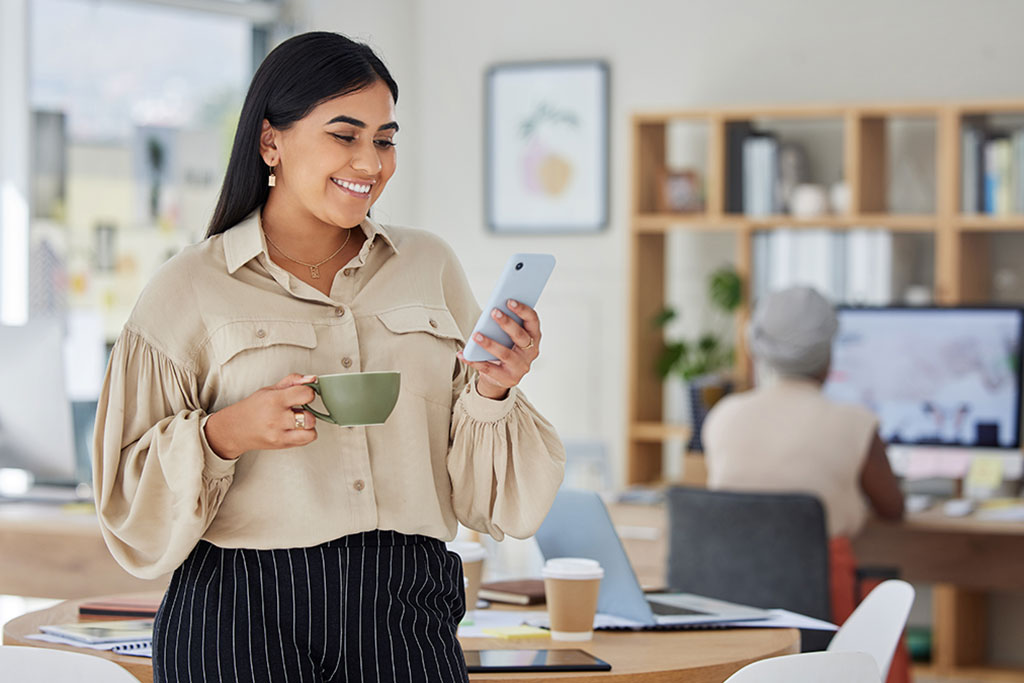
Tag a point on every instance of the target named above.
point(295, 77)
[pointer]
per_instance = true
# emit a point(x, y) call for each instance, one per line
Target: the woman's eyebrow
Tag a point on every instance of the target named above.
point(359, 124)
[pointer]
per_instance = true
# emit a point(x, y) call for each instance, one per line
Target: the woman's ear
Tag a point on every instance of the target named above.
point(268, 144)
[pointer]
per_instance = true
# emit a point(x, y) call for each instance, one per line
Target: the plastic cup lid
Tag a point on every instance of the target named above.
point(572, 568)
point(467, 550)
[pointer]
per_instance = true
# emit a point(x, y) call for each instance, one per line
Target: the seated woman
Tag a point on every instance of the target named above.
point(786, 436)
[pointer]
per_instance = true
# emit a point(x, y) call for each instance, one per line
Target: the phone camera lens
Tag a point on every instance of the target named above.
point(519, 266)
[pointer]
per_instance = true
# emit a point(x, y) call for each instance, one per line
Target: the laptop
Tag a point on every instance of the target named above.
point(578, 525)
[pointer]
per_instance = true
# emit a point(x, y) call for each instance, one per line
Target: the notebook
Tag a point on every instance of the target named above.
point(103, 632)
point(578, 525)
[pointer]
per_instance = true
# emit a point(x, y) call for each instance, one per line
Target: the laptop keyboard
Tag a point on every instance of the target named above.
point(663, 610)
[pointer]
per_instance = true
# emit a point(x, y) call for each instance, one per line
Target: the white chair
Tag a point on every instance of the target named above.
point(876, 625)
point(27, 664)
point(810, 667)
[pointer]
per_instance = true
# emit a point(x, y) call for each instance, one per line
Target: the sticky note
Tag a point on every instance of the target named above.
point(516, 632)
point(984, 476)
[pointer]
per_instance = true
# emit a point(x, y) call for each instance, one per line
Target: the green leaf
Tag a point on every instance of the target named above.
point(663, 317)
point(668, 359)
point(707, 343)
point(725, 288)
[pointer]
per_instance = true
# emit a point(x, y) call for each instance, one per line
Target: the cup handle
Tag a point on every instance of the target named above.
point(315, 386)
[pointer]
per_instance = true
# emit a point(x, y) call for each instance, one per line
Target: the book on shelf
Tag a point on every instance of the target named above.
point(120, 607)
point(103, 632)
point(517, 592)
point(998, 183)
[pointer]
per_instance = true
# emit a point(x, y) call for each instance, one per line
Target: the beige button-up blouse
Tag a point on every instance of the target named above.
point(221, 320)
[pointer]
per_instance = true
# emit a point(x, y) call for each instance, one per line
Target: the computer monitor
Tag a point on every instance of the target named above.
point(933, 376)
point(35, 415)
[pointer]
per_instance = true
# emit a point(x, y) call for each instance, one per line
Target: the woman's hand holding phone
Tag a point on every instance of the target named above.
point(496, 377)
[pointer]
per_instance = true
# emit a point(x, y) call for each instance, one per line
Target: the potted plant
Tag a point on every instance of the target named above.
point(703, 363)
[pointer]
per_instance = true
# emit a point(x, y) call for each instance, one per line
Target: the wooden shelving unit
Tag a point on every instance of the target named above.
point(961, 266)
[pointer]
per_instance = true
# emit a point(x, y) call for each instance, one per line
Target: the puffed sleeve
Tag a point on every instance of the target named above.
point(157, 482)
point(505, 460)
point(506, 463)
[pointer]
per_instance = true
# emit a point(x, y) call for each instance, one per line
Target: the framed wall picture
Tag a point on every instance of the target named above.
point(547, 147)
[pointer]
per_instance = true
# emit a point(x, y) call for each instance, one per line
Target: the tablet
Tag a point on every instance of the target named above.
point(514, 661)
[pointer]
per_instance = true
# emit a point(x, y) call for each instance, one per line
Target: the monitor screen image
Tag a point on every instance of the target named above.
point(933, 376)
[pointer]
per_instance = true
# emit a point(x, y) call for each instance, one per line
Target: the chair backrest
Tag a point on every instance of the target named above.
point(876, 625)
point(810, 667)
point(761, 549)
point(19, 664)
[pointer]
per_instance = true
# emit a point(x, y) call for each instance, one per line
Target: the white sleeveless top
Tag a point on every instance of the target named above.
point(788, 437)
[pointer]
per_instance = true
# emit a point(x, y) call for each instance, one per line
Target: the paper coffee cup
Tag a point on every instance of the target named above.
point(571, 586)
point(472, 555)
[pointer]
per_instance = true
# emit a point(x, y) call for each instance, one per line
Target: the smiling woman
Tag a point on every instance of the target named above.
point(303, 553)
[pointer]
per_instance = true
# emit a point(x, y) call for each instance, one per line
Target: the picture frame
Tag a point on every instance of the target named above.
point(546, 148)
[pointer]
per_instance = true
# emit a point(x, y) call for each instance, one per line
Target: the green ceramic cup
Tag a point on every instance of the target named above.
point(356, 398)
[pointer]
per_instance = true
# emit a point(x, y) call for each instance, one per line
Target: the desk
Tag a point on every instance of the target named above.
point(964, 557)
point(50, 551)
point(653, 657)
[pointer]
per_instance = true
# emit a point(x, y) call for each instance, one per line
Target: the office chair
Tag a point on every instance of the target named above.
point(58, 666)
point(761, 549)
point(810, 667)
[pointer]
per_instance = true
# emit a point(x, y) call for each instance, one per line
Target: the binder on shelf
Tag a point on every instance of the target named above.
point(736, 133)
point(760, 174)
point(972, 185)
point(1017, 171)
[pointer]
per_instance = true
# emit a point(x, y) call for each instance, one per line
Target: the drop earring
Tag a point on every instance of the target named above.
point(271, 179)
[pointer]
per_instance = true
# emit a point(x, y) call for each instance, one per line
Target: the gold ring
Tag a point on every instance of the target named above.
point(528, 346)
point(300, 420)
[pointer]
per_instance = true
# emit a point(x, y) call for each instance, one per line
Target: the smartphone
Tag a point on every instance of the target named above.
point(516, 661)
point(522, 280)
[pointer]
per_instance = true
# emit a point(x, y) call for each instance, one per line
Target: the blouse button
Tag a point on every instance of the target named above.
point(359, 485)
point(339, 311)
point(346, 361)
point(433, 323)
point(261, 333)
point(347, 272)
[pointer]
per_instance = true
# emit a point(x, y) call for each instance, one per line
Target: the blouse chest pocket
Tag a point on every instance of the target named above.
point(422, 344)
point(251, 354)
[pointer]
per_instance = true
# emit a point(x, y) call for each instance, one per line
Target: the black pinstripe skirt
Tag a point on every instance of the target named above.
point(376, 606)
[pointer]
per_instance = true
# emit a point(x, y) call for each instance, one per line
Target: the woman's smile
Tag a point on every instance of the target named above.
point(355, 188)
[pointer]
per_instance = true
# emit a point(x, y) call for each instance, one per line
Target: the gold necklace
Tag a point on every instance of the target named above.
point(314, 268)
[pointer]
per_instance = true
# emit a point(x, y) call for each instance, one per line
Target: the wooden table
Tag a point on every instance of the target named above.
point(652, 657)
point(55, 551)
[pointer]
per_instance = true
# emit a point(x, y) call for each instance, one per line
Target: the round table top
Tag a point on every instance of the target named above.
point(708, 656)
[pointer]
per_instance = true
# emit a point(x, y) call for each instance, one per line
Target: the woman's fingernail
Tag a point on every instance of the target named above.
point(513, 304)
point(497, 314)
point(308, 378)
point(479, 337)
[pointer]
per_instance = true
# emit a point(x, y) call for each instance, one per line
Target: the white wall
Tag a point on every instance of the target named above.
point(663, 54)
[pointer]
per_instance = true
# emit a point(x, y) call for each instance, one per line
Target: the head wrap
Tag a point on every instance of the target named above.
point(791, 331)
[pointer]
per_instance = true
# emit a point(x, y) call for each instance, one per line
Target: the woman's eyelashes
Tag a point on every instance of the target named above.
point(383, 143)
